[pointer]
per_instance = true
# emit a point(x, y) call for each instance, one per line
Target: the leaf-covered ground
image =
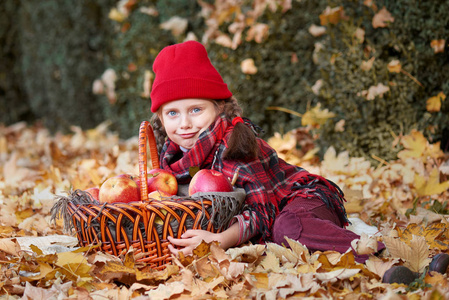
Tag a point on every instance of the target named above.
point(404, 201)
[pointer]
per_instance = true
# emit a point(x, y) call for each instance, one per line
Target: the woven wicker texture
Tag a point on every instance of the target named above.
point(145, 225)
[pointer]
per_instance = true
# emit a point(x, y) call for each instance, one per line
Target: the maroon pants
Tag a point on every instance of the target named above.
point(310, 222)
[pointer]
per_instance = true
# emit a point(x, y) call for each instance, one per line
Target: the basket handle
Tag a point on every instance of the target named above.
point(146, 133)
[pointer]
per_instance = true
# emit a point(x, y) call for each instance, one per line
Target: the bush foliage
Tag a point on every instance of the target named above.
point(65, 47)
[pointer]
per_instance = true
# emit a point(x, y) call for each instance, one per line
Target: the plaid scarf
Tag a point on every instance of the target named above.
point(270, 183)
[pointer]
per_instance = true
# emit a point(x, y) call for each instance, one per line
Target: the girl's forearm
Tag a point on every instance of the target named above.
point(229, 237)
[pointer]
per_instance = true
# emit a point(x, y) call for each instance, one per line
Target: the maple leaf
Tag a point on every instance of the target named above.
point(432, 185)
point(431, 233)
point(316, 116)
point(417, 146)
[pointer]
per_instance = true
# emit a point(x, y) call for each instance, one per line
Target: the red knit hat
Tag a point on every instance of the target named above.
point(184, 71)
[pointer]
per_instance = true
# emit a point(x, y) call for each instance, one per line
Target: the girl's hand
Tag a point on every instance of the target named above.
point(190, 240)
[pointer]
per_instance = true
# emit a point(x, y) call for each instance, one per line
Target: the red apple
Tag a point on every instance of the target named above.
point(119, 189)
point(207, 180)
point(162, 181)
point(94, 193)
point(158, 195)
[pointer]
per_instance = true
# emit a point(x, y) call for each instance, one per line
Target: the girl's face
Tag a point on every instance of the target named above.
point(184, 120)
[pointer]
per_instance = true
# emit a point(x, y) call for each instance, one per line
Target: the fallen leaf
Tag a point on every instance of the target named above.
point(415, 256)
point(257, 32)
point(317, 31)
point(365, 245)
point(378, 266)
point(316, 116)
point(331, 15)
point(374, 91)
point(360, 34)
point(394, 66)
point(382, 18)
point(433, 104)
point(248, 67)
point(432, 185)
point(367, 64)
point(176, 25)
point(438, 45)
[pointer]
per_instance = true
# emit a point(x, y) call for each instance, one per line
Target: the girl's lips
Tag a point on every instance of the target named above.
point(187, 135)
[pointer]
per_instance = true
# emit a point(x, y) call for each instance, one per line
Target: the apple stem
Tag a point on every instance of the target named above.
point(236, 175)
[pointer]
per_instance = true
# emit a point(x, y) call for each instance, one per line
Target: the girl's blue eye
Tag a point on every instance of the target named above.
point(196, 110)
point(171, 113)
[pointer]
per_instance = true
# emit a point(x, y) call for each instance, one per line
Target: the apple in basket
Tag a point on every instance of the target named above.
point(162, 181)
point(158, 195)
point(207, 180)
point(94, 193)
point(119, 189)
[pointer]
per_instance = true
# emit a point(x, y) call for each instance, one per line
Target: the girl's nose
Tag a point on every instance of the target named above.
point(186, 122)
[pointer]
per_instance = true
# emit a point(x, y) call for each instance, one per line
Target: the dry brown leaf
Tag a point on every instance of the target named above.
point(271, 263)
point(431, 185)
point(394, 66)
point(335, 275)
point(360, 35)
point(248, 67)
point(9, 246)
point(433, 104)
point(365, 245)
point(374, 91)
point(378, 266)
point(438, 45)
point(176, 25)
point(331, 15)
point(415, 256)
point(367, 64)
point(246, 253)
point(382, 18)
point(317, 31)
point(257, 32)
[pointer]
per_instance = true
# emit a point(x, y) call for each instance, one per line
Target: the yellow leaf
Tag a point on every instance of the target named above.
point(414, 144)
point(433, 104)
point(432, 233)
point(394, 66)
point(116, 15)
point(260, 280)
point(271, 263)
point(65, 258)
point(432, 186)
point(316, 116)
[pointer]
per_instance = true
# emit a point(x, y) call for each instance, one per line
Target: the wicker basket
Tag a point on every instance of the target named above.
point(145, 225)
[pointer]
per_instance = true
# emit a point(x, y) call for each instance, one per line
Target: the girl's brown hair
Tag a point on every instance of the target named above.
point(242, 144)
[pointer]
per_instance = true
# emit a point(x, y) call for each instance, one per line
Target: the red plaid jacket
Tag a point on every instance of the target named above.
point(270, 183)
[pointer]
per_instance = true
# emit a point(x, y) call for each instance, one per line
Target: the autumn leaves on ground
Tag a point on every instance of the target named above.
point(404, 200)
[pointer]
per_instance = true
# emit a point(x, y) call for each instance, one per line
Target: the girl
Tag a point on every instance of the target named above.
point(200, 124)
